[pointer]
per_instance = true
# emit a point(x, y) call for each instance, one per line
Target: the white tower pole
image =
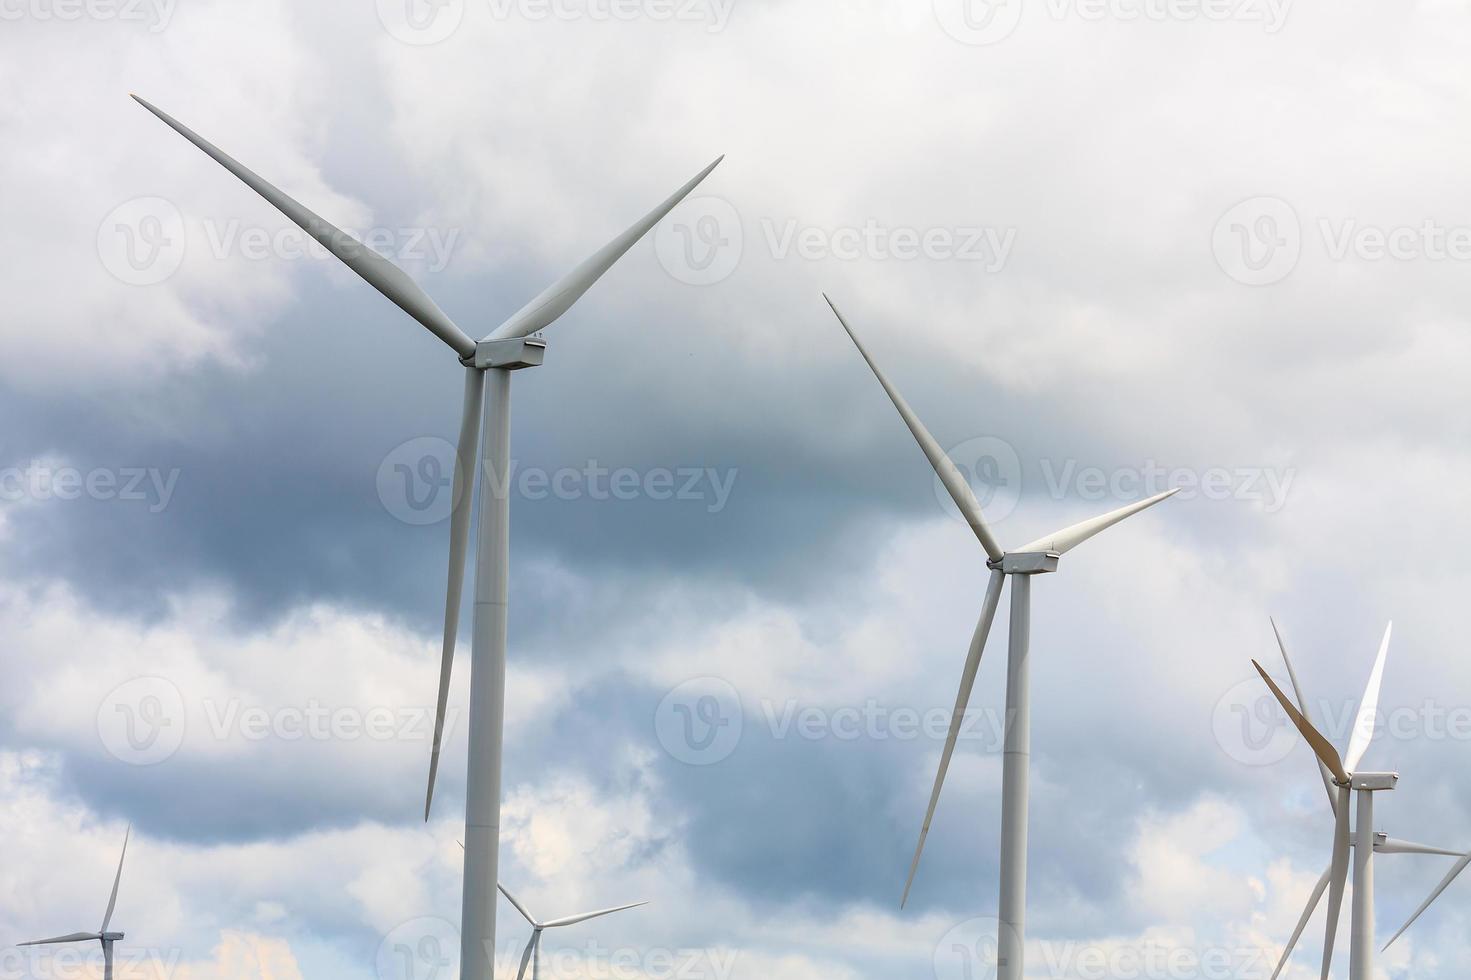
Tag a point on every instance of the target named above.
point(1015, 774)
point(1361, 944)
point(487, 684)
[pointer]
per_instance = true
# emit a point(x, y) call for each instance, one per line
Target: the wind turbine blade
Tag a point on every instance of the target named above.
point(1320, 745)
point(1439, 889)
point(957, 718)
point(519, 907)
point(466, 455)
point(1061, 542)
point(943, 466)
point(117, 880)
point(76, 937)
point(1368, 708)
point(526, 956)
point(572, 920)
point(1302, 703)
point(558, 298)
point(1302, 923)
point(1339, 877)
point(1392, 846)
point(379, 273)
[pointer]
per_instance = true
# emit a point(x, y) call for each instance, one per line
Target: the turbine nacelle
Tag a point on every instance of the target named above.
point(508, 355)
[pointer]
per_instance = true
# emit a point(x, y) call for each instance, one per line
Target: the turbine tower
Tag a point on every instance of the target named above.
point(101, 935)
point(1020, 564)
point(533, 946)
point(488, 365)
point(1342, 780)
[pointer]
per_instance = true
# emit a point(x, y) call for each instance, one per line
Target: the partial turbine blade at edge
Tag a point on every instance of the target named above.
point(116, 881)
point(957, 718)
point(1302, 923)
point(1321, 746)
point(572, 920)
point(76, 937)
point(1302, 703)
point(466, 457)
point(377, 271)
point(1439, 890)
point(1339, 877)
point(1368, 708)
point(1061, 542)
point(558, 298)
point(943, 465)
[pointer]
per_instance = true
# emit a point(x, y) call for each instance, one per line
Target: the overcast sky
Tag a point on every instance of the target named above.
point(1105, 247)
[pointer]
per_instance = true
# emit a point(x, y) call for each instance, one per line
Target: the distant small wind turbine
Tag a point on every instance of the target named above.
point(533, 947)
point(101, 935)
point(1341, 780)
point(488, 364)
point(1035, 558)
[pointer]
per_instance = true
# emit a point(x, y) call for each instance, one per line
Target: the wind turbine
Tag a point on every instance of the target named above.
point(1020, 564)
point(533, 947)
point(1341, 779)
point(101, 935)
point(487, 402)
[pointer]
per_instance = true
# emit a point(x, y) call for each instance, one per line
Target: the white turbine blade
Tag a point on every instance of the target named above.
point(1061, 542)
point(519, 907)
point(379, 273)
point(526, 956)
point(1339, 877)
point(572, 920)
point(1439, 889)
point(557, 298)
point(76, 937)
point(112, 900)
point(1302, 923)
point(1321, 746)
point(957, 718)
point(1392, 846)
point(1368, 708)
point(463, 491)
point(1302, 703)
point(944, 467)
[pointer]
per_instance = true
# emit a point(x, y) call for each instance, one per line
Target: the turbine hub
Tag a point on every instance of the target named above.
point(111, 937)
